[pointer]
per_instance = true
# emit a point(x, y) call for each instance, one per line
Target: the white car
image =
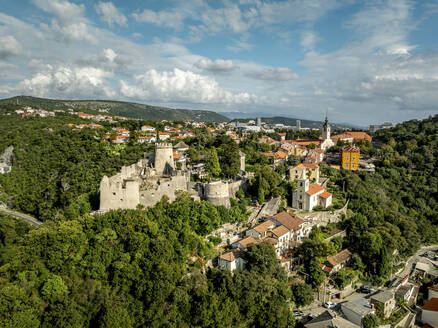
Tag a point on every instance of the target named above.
point(329, 305)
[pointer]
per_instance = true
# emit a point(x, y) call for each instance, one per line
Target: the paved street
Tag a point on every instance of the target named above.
point(23, 216)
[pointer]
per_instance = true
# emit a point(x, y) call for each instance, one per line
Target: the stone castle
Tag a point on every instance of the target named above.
point(155, 176)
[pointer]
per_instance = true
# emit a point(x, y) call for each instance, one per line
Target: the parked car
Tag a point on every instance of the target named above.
point(329, 305)
point(298, 313)
point(366, 289)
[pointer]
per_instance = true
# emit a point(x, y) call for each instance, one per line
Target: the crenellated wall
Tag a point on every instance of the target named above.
point(140, 183)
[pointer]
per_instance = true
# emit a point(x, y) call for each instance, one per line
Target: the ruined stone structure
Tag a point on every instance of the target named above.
point(146, 184)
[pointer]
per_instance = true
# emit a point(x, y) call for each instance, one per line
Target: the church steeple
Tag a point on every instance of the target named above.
point(326, 128)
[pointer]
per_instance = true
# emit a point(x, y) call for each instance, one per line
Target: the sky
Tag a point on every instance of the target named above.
point(362, 62)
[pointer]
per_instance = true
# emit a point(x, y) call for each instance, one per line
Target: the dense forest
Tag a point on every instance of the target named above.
point(136, 269)
point(395, 208)
point(57, 169)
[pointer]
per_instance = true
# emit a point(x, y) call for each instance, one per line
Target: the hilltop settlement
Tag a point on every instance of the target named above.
point(284, 202)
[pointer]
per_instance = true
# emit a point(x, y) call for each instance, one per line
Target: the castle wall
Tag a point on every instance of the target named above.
point(120, 194)
point(217, 193)
point(164, 163)
point(163, 187)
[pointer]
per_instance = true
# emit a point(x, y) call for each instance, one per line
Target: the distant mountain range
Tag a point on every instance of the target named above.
point(120, 108)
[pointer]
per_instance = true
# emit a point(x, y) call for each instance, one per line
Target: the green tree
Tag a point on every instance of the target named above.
point(212, 163)
point(260, 191)
point(302, 294)
point(370, 321)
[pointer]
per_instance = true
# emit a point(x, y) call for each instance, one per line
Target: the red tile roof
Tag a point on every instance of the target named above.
point(325, 194)
point(289, 220)
point(342, 257)
point(245, 242)
point(232, 255)
point(280, 231)
point(314, 189)
point(351, 148)
point(262, 227)
point(431, 305)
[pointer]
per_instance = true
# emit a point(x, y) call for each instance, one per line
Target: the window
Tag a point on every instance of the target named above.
point(352, 166)
point(348, 158)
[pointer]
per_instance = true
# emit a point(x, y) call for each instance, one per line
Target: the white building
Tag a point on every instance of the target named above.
point(326, 140)
point(232, 260)
point(429, 313)
point(307, 195)
point(356, 310)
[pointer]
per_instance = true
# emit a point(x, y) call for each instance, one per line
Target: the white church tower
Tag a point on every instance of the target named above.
point(326, 142)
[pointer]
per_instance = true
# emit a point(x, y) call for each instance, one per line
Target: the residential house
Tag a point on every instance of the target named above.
point(147, 139)
point(336, 262)
point(148, 128)
point(408, 292)
point(181, 147)
point(163, 135)
point(349, 157)
point(329, 319)
point(307, 195)
point(282, 136)
point(384, 302)
point(232, 260)
point(294, 224)
point(244, 243)
point(261, 230)
point(351, 136)
point(282, 235)
point(314, 156)
point(356, 310)
point(429, 312)
point(309, 170)
point(286, 147)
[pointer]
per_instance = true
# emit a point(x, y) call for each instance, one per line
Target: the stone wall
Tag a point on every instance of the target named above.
point(164, 163)
point(217, 193)
point(157, 188)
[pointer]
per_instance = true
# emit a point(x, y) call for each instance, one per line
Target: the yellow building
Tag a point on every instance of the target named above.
point(350, 158)
point(306, 170)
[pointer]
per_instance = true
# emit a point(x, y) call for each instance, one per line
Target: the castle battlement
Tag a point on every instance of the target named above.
point(163, 145)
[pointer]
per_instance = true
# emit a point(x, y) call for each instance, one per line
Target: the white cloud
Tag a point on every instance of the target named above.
point(9, 47)
point(274, 74)
point(65, 81)
point(217, 66)
point(171, 19)
point(181, 86)
point(69, 23)
point(110, 14)
point(308, 40)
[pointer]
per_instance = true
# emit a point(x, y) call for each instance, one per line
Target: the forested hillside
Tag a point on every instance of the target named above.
point(120, 108)
point(57, 169)
point(396, 208)
point(135, 269)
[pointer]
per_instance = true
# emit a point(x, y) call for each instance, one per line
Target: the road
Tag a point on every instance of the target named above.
point(415, 258)
point(36, 223)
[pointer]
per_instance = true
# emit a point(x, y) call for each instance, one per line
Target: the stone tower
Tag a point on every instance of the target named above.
point(164, 163)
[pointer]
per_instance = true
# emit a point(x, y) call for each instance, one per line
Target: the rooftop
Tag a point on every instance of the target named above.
point(314, 189)
point(264, 226)
point(280, 231)
point(329, 320)
point(247, 241)
point(431, 305)
point(341, 257)
point(360, 306)
point(232, 255)
point(289, 220)
point(383, 296)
